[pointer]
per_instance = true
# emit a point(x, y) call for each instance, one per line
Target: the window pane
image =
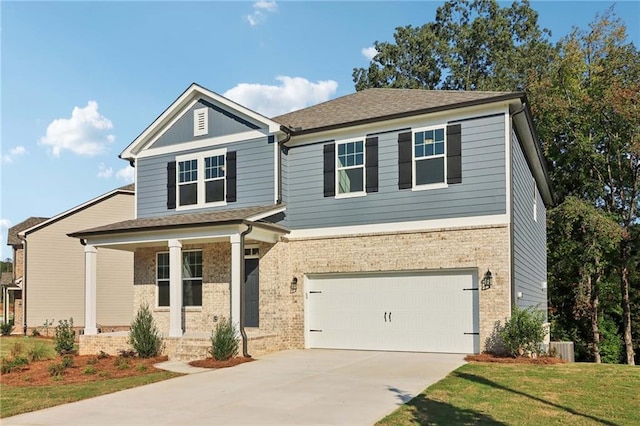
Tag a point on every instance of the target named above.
point(192, 264)
point(430, 171)
point(163, 293)
point(214, 190)
point(341, 149)
point(428, 149)
point(192, 292)
point(214, 167)
point(439, 148)
point(439, 135)
point(419, 150)
point(188, 194)
point(428, 136)
point(419, 138)
point(188, 171)
point(350, 180)
point(163, 266)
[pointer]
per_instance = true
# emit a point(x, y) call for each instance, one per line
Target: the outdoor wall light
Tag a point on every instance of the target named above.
point(487, 280)
point(294, 285)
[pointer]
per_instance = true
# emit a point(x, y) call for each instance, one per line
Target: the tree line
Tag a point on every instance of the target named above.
point(584, 93)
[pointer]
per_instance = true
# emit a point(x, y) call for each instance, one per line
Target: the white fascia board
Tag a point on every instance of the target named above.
point(527, 139)
point(413, 226)
point(73, 210)
point(203, 143)
point(422, 120)
point(179, 107)
point(276, 210)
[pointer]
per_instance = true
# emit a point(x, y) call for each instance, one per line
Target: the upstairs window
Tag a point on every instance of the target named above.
point(214, 178)
point(188, 182)
point(429, 157)
point(350, 167)
point(202, 179)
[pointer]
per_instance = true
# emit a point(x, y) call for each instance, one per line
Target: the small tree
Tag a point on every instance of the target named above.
point(524, 332)
point(65, 336)
point(144, 336)
point(224, 341)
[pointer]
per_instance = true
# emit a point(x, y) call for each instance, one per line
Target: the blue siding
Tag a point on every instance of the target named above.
point(220, 124)
point(482, 191)
point(529, 235)
point(255, 178)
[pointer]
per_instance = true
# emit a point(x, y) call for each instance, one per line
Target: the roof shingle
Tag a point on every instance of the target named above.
point(374, 104)
point(12, 234)
point(178, 220)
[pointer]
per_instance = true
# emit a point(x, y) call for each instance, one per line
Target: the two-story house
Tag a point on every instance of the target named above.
point(408, 220)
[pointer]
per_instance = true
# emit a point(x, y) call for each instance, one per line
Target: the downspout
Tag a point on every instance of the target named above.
point(243, 283)
point(24, 284)
point(511, 231)
point(280, 149)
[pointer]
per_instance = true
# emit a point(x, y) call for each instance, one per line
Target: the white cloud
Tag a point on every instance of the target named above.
point(126, 174)
point(4, 224)
point(13, 153)
point(369, 52)
point(260, 8)
point(83, 134)
point(104, 171)
point(291, 94)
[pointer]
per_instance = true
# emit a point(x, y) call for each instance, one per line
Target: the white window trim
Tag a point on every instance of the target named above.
point(205, 129)
point(362, 193)
point(199, 157)
point(440, 185)
point(157, 304)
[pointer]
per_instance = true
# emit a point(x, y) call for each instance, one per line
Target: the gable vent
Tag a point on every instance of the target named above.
point(200, 122)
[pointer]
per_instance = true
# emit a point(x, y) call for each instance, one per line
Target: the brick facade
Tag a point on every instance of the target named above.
point(282, 307)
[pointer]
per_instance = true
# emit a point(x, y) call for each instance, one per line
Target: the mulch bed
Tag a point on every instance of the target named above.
point(37, 374)
point(542, 360)
point(212, 363)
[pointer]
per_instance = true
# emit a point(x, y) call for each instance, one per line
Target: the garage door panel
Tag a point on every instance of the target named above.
point(411, 312)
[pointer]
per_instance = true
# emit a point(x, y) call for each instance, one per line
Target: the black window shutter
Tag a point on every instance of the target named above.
point(231, 177)
point(371, 164)
point(171, 185)
point(405, 166)
point(329, 170)
point(454, 153)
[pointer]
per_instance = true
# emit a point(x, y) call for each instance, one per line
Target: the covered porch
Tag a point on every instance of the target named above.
point(169, 251)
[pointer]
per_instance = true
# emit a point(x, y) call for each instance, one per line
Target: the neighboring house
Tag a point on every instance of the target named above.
point(407, 220)
point(13, 291)
point(49, 266)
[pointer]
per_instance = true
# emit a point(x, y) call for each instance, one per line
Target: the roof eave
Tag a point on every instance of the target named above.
point(477, 102)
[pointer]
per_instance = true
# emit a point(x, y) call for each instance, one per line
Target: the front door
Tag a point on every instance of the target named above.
point(251, 292)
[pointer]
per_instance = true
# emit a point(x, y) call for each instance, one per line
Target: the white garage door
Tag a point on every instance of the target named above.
point(435, 312)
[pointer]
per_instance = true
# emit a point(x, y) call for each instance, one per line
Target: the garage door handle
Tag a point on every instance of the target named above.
point(385, 317)
point(389, 316)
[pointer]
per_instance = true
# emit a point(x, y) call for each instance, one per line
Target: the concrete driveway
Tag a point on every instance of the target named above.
point(298, 387)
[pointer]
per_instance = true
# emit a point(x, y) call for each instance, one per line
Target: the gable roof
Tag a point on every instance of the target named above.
point(185, 220)
point(192, 94)
point(384, 104)
point(126, 189)
point(12, 233)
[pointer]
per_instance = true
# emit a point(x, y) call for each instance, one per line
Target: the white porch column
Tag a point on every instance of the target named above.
point(236, 257)
point(90, 285)
point(175, 288)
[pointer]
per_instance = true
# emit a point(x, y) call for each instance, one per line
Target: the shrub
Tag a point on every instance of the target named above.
point(141, 368)
point(65, 337)
point(35, 332)
point(92, 361)
point(224, 341)
point(6, 328)
point(67, 361)
point(39, 352)
point(89, 369)
point(121, 363)
point(13, 364)
point(17, 349)
point(524, 332)
point(102, 355)
point(144, 336)
point(56, 370)
point(126, 353)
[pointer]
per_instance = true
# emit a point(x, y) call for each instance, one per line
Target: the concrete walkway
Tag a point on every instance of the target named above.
point(299, 387)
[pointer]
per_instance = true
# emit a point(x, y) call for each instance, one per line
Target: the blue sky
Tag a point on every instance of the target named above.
point(80, 80)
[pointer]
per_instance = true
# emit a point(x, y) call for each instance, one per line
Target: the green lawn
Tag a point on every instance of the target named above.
point(22, 399)
point(517, 394)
